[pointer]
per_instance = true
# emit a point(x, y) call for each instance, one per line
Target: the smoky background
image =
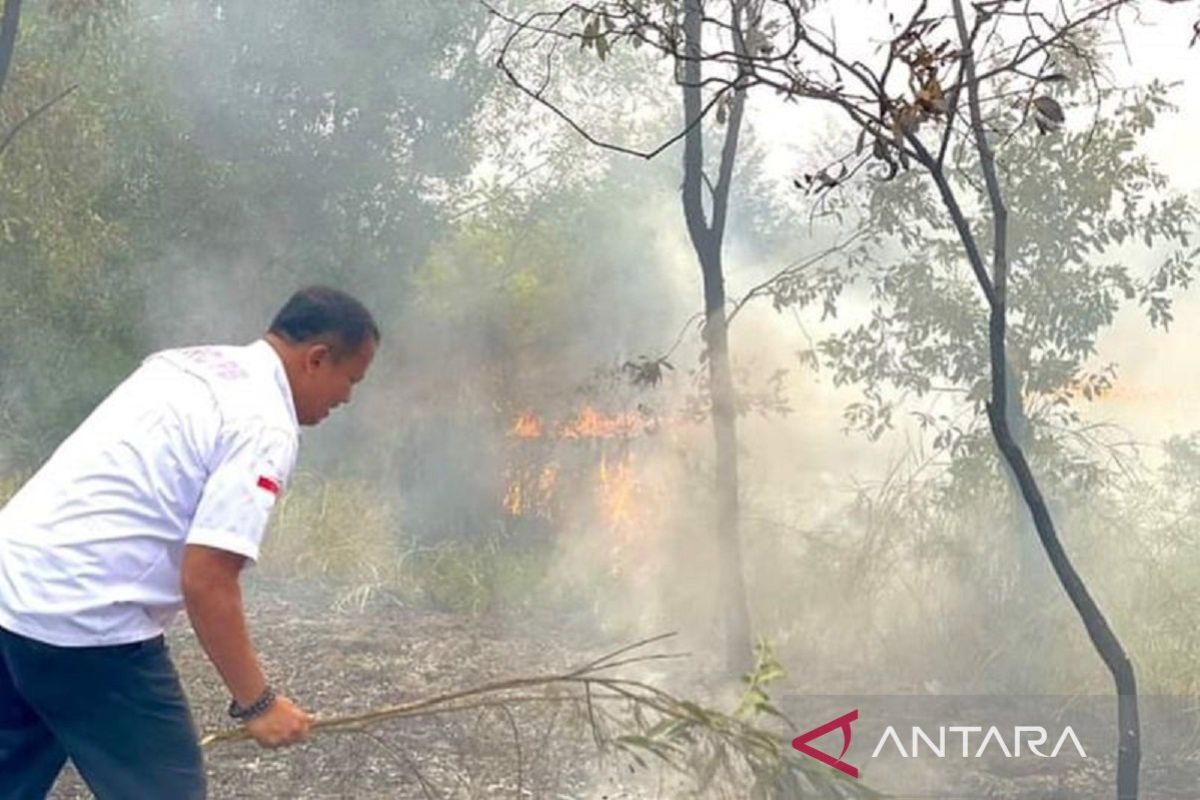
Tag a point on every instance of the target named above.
point(501, 460)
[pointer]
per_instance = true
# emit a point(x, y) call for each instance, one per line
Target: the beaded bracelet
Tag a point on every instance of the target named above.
point(255, 709)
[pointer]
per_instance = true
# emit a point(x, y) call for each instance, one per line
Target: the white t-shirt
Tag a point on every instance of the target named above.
point(193, 448)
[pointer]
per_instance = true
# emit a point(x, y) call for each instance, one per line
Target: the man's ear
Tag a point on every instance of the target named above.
point(316, 355)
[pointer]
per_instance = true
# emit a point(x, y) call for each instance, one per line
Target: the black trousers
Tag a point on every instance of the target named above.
point(118, 712)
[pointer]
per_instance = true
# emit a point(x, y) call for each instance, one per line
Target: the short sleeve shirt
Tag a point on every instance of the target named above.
point(195, 447)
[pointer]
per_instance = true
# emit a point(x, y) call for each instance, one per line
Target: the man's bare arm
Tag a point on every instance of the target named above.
point(213, 597)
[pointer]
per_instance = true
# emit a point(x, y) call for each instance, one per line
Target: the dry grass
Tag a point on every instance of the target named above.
point(707, 752)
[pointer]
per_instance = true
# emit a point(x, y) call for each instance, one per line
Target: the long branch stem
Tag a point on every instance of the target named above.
point(32, 115)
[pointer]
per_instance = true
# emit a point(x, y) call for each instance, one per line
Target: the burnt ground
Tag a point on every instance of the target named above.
point(342, 662)
point(336, 662)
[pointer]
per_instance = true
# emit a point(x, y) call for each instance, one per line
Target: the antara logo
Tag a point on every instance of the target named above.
point(801, 743)
point(1032, 736)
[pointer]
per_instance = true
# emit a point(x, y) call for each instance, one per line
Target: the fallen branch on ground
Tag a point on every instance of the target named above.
point(638, 720)
point(588, 677)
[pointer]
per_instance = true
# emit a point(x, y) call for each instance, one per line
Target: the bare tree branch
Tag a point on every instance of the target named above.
point(32, 115)
point(792, 269)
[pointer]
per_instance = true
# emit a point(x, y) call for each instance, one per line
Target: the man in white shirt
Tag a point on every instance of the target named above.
point(153, 504)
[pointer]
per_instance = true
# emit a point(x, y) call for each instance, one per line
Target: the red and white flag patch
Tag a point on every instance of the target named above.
point(269, 484)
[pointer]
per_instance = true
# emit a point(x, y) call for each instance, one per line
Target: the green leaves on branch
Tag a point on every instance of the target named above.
point(767, 670)
point(734, 755)
point(1094, 227)
point(594, 37)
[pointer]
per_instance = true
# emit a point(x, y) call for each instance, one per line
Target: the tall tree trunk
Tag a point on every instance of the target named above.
point(8, 37)
point(1031, 575)
point(707, 237)
point(735, 612)
point(1099, 632)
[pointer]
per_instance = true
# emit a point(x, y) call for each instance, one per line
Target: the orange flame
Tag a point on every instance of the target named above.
point(618, 493)
point(591, 424)
point(532, 493)
point(588, 423)
point(526, 426)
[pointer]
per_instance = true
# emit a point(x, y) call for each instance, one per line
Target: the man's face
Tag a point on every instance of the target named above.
point(329, 381)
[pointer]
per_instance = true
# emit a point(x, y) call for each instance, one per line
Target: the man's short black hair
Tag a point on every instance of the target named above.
point(321, 313)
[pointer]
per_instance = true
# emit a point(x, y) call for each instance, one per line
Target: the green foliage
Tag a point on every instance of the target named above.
point(767, 670)
point(1085, 206)
point(734, 755)
point(335, 125)
point(246, 147)
point(66, 295)
point(514, 282)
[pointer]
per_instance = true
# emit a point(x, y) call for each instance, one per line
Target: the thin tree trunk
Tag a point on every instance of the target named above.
point(707, 240)
point(8, 37)
point(735, 613)
point(1099, 632)
point(1031, 574)
point(1098, 629)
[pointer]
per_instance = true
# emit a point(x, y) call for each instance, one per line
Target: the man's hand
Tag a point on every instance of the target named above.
point(283, 723)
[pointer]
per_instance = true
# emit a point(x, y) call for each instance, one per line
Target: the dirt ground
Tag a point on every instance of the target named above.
point(342, 662)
